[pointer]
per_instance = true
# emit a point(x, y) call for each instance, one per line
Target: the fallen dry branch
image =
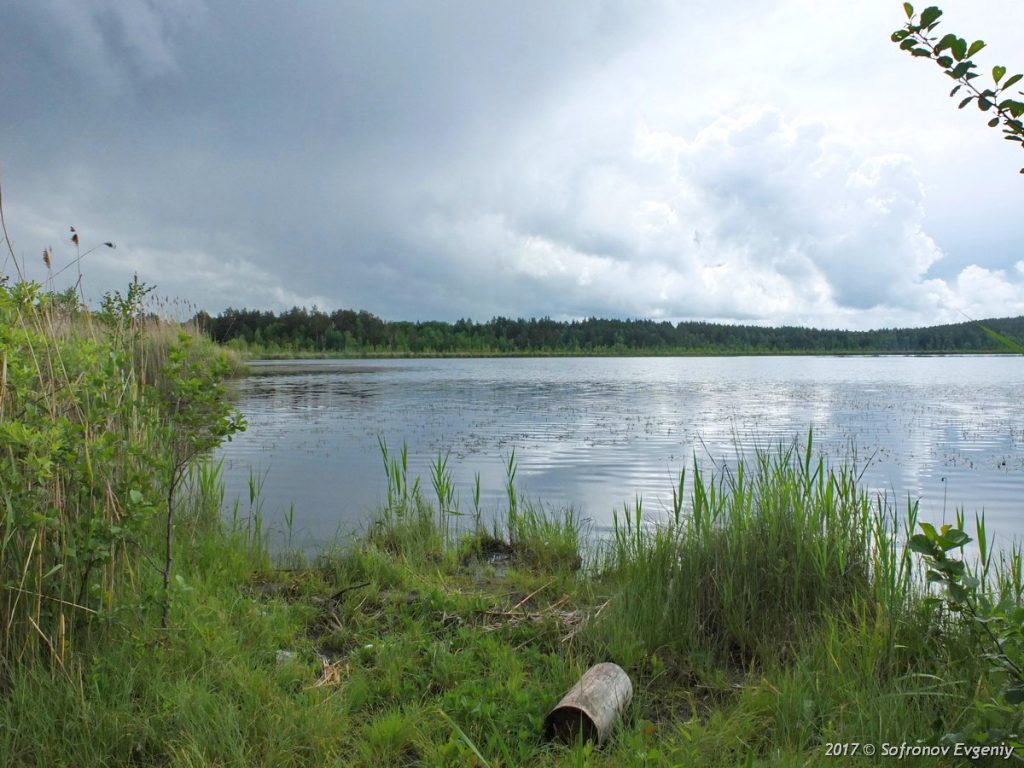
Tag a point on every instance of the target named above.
point(570, 622)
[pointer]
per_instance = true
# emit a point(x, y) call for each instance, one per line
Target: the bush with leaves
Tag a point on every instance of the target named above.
point(196, 418)
point(96, 435)
point(77, 488)
point(993, 613)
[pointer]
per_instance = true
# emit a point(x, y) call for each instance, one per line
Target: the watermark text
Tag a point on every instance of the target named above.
point(904, 750)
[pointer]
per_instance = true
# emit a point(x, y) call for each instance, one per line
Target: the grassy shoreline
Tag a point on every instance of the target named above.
point(416, 645)
point(777, 612)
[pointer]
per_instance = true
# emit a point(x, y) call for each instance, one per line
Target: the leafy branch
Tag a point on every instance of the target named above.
point(953, 55)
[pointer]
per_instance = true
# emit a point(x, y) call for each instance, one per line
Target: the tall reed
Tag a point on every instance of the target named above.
point(762, 552)
point(74, 430)
point(408, 525)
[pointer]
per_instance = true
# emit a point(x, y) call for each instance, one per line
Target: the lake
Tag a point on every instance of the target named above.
point(595, 433)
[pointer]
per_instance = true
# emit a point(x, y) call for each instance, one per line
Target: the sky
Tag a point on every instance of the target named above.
point(765, 162)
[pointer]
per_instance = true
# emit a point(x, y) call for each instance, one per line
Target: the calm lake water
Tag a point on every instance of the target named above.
point(595, 433)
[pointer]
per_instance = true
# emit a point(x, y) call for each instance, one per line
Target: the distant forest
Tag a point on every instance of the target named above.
point(348, 332)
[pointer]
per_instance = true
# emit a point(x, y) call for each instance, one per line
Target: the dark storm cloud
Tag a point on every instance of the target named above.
point(467, 159)
point(309, 135)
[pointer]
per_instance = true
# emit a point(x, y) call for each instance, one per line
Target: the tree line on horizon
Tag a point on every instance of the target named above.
point(349, 331)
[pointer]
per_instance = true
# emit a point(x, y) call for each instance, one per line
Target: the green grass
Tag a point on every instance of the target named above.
point(762, 555)
point(774, 611)
point(776, 614)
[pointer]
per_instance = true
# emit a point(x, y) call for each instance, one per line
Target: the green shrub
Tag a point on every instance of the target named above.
point(92, 415)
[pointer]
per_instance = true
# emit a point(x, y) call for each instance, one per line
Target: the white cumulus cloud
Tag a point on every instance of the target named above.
point(757, 218)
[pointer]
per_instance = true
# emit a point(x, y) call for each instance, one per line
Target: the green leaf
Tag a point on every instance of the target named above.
point(923, 545)
point(953, 538)
point(946, 42)
point(899, 35)
point(959, 49)
point(997, 73)
point(930, 15)
point(135, 496)
point(993, 122)
point(952, 568)
point(960, 69)
point(984, 104)
point(1012, 81)
point(945, 61)
point(53, 570)
point(909, 9)
point(1014, 694)
point(956, 592)
point(955, 89)
point(920, 52)
point(907, 44)
point(929, 531)
point(976, 46)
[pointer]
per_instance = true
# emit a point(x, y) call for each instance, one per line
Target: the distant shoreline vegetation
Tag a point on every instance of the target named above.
point(348, 333)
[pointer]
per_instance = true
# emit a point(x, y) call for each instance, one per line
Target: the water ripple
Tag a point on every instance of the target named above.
point(595, 433)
